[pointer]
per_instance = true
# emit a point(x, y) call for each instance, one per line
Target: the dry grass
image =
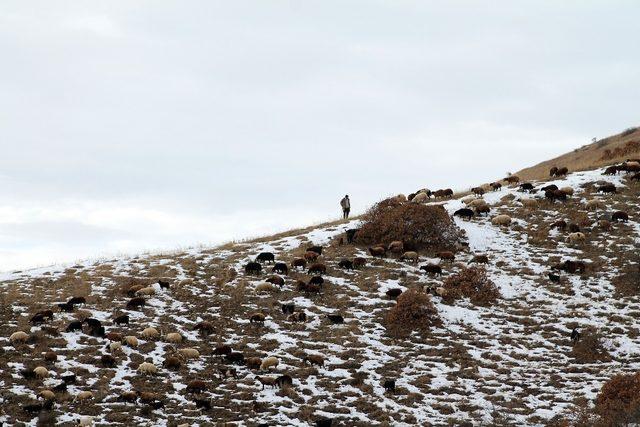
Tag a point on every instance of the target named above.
point(418, 226)
point(413, 311)
point(471, 283)
point(589, 348)
point(609, 150)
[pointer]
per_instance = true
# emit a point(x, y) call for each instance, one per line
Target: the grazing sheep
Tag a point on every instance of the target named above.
point(68, 379)
point(310, 256)
point(576, 238)
point(620, 216)
point(164, 284)
point(235, 357)
point(317, 249)
point(267, 381)
point(299, 262)
point(86, 395)
point(359, 262)
point(47, 394)
point(554, 277)
point(607, 188)
point(284, 381)
point(114, 336)
point(227, 372)
point(41, 316)
point(147, 368)
point(266, 287)
point(420, 198)
point(464, 213)
point(560, 224)
point(550, 187)
point(18, 337)
point(394, 293)
point(85, 421)
point(389, 385)
point(604, 224)
point(172, 362)
point(313, 359)
point(446, 255)
point(476, 203)
point(377, 251)
point(149, 290)
point(594, 204)
point(479, 259)
point(174, 338)
point(554, 195)
point(67, 308)
point(41, 372)
point(196, 386)
point(316, 280)
point(205, 328)
point(266, 257)
point(312, 289)
point(121, 320)
point(432, 269)
point(351, 234)
point(136, 303)
point(150, 333)
point(485, 209)
point(479, 191)
point(553, 170)
point(346, 264)
point(281, 268)
point(513, 179)
point(268, 363)
point(257, 318)
point(396, 247)
point(529, 203)
point(501, 220)
point(253, 362)
point(318, 268)
point(288, 308)
point(131, 341)
point(128, 396)
point(76, 325)
point(571, 267)
point(335, 318)
point(495, 186)
point(441, 292)
point(253, 268)
point(567, 190)
point(575, 335)
point(77, 300)
point(50, 357)
point(189, 353)
point(298, 317)
point(410, 256)
point(526, 186)
point(574, 228)
point(115, 347)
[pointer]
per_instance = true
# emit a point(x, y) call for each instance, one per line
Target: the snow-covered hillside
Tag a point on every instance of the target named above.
point(510, 362)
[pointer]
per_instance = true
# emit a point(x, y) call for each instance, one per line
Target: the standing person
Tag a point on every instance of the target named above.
point(346, 206)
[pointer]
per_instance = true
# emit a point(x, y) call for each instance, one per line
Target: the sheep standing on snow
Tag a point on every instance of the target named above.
point(410, 256)
point(84, 395)
point(594, 204)
point(501, 220)
point(150, 333)
point(189, 353)
point(41, 372)
point(576, 238)
point(266, 287)
point(420, 198)
point(268, 363)
point(174, 338)
point(147, 368)
point(131, 341)
point(149, 290)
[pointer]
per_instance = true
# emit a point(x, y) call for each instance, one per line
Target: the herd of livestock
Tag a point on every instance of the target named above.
point(235, 362)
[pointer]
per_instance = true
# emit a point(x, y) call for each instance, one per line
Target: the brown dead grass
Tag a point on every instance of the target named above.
point(472, 283)
point(413, 311)
point(589, 348)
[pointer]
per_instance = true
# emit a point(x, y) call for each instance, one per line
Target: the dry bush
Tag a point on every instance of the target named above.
point(419, 226)
point(472, 283)
point(618, 402)
point(413, 311)
point(628, 283)
point(589, 348)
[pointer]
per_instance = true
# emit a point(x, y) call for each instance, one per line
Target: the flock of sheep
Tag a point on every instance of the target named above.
point(235, 362)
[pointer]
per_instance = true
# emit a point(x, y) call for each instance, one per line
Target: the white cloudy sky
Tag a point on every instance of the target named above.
point(133, 125)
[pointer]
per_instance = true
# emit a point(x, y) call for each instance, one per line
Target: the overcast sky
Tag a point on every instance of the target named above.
point(140, 125)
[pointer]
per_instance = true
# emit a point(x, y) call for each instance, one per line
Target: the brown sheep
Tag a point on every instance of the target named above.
point(253, 362)
point(480, 259)
point(268, 363)
point(196, 386)
point(257, 318)
point(513, 179)
point(377, 251)
point(576, 238)
point(318, 268)
point(313, 359)
point(620, 216)
point(431, 269)
point(446, 255)
point(299, 262)
point(311, 256)
point(172, 362)
point(267, 381)
point(359, 262)
point(396, 247)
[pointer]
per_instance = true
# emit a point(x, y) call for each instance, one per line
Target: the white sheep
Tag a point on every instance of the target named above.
point(85, 421)
point(131, 341)
point(266, 287)
point(577, 237)
point(47, 394)
point(174, 337)
point(150, 333)
point(115, 347)
point(41, 372)
point(567, 190)
point(503, 220)
point(594, 204)
point(18, 337)
point(189, 353)
point(149, 290)
point(420, 198)
point(147, 368)
point(84, 395)
point(269, 362)
point(529, 203)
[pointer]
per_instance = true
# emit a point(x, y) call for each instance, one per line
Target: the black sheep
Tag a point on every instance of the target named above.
point(335, 318)
point(280, 268)
point(464, 213)
point(266, 257)
point(316, 249)
point(346, 264)
point(351, 233)
point(76, 325)
point(389, 385)
point(288, 308)
point(253, 268)
point(121, 320)
point(136, 303)
point(394, 293)
point(575, 335)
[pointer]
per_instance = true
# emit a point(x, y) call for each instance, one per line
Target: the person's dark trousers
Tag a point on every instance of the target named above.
point(345, 213)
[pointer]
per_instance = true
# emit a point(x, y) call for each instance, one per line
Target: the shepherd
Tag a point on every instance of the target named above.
point(346, 206)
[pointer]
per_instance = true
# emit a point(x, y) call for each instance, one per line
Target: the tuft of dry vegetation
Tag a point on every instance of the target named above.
point(418, 226)
point(413, 311)
point(472, 283)
point(628, 283)
point(618, 402)
point(589, 348)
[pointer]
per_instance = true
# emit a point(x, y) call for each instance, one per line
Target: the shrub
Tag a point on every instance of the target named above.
point(418, 226)
point(413, 311)
point(589, 348)
point(618, 402)
point(629, 131)
point(472, 283)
